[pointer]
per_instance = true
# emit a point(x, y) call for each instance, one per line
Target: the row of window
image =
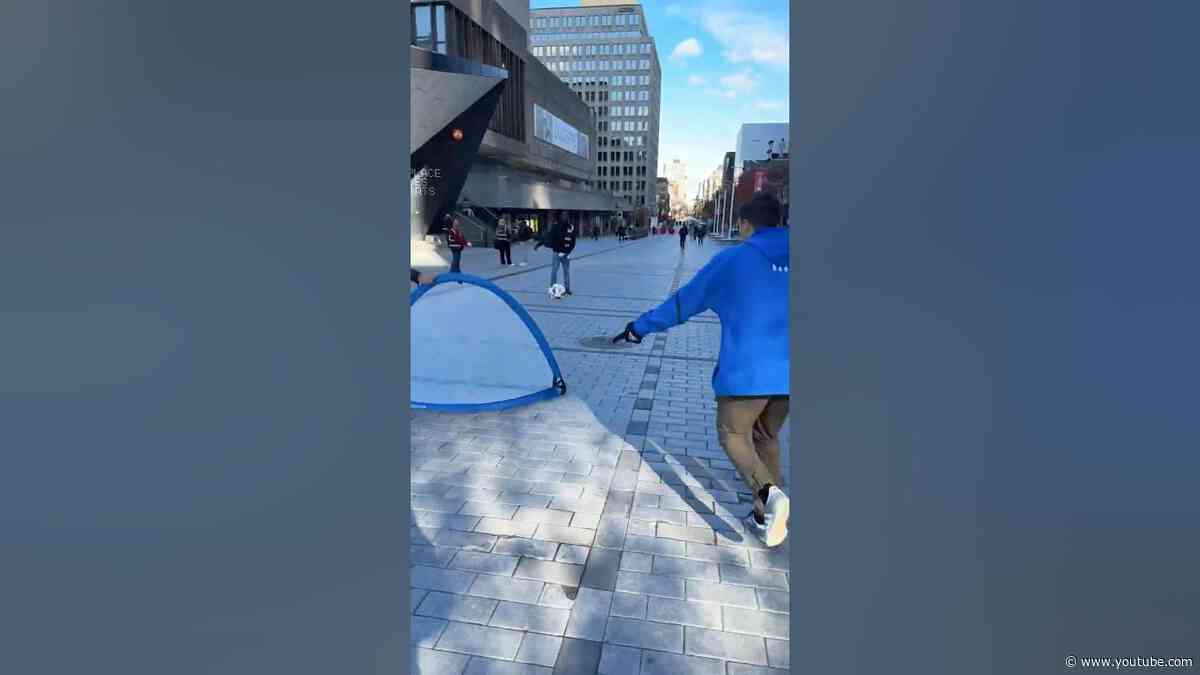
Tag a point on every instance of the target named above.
point(587, 20)
point(605, 96)
point(544, 38)
point(623, 125)
point(628, 156)
point(620, 171)
point(619, 141)
point(593, 50)
point(637, 95)
point(579, 66)
point(624, 185)
point(606, 80)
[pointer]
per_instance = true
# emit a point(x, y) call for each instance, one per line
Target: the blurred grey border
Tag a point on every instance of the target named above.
point(203, 337)
point(996, 316)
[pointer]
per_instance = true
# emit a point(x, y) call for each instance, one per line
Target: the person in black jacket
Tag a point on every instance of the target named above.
point(504, 233)
point(561, 240)
point(683, 233)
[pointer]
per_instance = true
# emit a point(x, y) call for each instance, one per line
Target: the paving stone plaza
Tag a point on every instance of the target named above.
point(598, 532)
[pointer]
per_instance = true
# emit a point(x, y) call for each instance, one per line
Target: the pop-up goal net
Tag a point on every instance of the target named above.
point(474, 347)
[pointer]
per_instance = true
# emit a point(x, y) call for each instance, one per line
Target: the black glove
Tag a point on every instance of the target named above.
point(628, 335)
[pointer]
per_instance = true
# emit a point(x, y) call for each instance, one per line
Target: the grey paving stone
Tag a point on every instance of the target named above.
point(637, 562)
point(693, 534)
point(452, 606)
point(645, 634)
point(776, 559)
point(650, 584)
point(534, 618)
point(683, 612)
point(448, 521)
point(725, 594)
point(734, 574)
point(437, 579)
point(657, 546)
point(469, 638)
point(506, 588)
point(524, 499)
point(727, 646)
point(434, 556)
point(601, 570)
point(436, 504)
point(540, 650)
point(557, 595)
point(611, 533)
point(564, 534)
point(484, 666)
point(664, 663)
point(415, 596)
point(536, 515)
point(729, 555)
point(629, 605)
point(589, 614)
point(775, 601)
point(754, 622)
point(432, 662)
point(506, 528)
point(590, 521)
point(528, 548)
point(424, 631)
point(641, 528)
point(779, 653)
point(734, 668)
point(559, 573)
point(578, 657)
point(657, 515)
point(573, 554)
point(620, 660)
point(488, 509)
point(491, 563)
point(466, 540)
point(688, 569)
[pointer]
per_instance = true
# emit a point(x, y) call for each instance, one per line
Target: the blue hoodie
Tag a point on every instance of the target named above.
point(747, 287)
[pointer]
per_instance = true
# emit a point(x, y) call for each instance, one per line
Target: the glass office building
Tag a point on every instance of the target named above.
point(604, 52)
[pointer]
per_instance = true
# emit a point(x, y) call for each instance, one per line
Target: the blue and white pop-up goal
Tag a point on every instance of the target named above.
point(475, 348)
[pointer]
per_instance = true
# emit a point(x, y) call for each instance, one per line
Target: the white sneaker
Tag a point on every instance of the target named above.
point(773, 530)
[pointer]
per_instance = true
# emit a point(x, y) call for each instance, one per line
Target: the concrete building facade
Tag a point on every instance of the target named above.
point(759, 142)
point(536, 156)
point(604, 52)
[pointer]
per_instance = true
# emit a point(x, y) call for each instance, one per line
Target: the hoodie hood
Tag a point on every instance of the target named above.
point(773, 244)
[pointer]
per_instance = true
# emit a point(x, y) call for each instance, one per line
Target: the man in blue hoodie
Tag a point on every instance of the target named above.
point(747, 287)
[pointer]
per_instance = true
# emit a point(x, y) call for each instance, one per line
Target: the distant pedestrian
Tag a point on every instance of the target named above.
point(504, 234)
point(683, 233)
point(457, 242)
point(561, 240)
point(700, 234)
point(747, 287)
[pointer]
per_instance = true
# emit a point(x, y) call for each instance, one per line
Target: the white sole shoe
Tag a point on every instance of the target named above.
point(775, 514)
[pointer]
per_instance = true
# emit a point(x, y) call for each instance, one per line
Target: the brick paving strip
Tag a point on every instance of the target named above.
point(599, 532)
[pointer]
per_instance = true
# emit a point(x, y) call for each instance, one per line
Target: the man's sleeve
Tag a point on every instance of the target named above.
point(695, 297)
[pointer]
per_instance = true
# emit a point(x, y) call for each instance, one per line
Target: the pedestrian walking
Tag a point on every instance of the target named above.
point(457, 242)
point(700, 234)
point(747, 287)
point(504, 234)
point(561, 240)
point(683, 233)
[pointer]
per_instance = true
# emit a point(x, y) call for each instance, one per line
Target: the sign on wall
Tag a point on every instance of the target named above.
point(558, 133)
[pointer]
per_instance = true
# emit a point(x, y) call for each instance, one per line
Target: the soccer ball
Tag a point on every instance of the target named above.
point(557, 291)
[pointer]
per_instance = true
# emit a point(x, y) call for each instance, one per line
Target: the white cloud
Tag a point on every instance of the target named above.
point(763, 104)
point(747, 37)
point(687, 49)
point(740, 83)
point(697, 81)
point(674, 9)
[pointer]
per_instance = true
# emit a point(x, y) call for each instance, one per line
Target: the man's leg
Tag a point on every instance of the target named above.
point(554, 270)
point(456, 259)
point(736, 419)
point(766, 435)
point(566, 263)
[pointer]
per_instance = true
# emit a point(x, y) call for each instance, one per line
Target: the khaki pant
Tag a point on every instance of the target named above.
point(749, 432)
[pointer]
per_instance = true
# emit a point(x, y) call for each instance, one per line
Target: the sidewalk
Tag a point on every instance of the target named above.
point(598, 532)
point(485, 262)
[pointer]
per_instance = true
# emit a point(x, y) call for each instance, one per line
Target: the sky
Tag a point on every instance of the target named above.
point(723, 64)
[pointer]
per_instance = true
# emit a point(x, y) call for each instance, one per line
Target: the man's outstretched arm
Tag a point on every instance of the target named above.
point(695, 297)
